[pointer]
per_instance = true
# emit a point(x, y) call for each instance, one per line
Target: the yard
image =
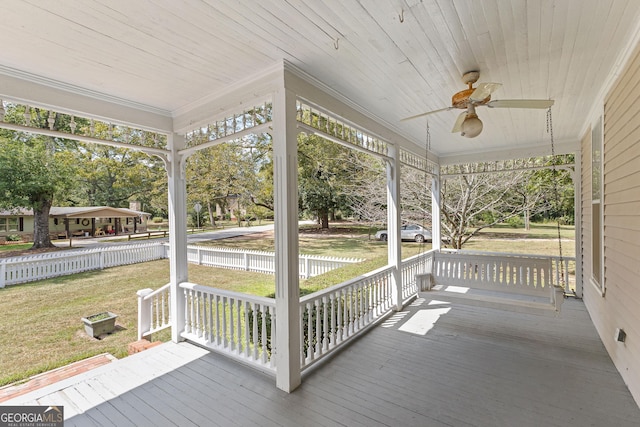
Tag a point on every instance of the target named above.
point(41, 327)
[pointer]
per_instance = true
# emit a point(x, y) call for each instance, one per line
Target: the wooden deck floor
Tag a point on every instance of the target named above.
point(434, 364)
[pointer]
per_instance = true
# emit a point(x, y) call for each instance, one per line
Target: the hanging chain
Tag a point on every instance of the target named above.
point(426, 178)
point(556, 194)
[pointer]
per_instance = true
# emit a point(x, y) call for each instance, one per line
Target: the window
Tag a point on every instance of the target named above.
point(8, 225)
point(597, 253)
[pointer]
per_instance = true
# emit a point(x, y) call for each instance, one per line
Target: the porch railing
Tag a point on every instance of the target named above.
point(261, 261)
point(154, 310)
point(411, 268)
point(243, 326)
point(239, 325)
point(333, 316)
point(31, 268)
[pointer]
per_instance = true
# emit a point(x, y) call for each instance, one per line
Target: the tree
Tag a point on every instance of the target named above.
point(34, 169)
point(229, 169)
point(110, 176)
point(474, 201)
point(415, 196)
point(324, 170)
point(32, 173)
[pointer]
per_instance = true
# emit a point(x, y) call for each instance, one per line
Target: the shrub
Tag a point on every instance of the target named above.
point(157, 219)
point(14, 238)
point(515, 222)
point(566, 220)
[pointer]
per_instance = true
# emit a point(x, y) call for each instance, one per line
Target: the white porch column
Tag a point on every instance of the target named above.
point(394, 248)
point(177, 233)
point(285, 176)
point(436, 233)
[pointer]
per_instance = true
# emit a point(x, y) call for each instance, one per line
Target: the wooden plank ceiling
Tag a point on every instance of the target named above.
point(395, 58)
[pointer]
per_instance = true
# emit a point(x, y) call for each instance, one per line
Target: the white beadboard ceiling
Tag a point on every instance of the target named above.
point(394, 58)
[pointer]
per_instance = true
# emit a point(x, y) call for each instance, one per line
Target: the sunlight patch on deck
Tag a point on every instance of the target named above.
point(457, 289)
point(423, 320)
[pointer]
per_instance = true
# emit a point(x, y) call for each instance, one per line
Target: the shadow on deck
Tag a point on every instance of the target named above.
point(433, 364)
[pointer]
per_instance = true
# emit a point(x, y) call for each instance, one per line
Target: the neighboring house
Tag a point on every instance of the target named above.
point(232, 207)
point(75, 221)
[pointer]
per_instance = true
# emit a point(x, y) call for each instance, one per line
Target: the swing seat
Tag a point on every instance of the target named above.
point(514, 283)
point(499, 300)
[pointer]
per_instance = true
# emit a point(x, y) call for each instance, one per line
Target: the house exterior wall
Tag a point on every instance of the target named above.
point(619, 307)
point(75, 226)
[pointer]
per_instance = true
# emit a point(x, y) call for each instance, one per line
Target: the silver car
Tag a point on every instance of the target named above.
point(413, 232)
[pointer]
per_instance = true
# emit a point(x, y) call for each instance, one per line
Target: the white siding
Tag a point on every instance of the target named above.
point(620, 306)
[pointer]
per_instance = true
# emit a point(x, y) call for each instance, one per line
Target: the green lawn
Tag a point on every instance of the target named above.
point(15, 246)
point(41, 327)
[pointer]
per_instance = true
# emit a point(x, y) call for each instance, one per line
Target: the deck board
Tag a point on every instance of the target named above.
point(476, 366)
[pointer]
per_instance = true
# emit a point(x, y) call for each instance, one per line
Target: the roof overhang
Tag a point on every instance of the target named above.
point(94, 212)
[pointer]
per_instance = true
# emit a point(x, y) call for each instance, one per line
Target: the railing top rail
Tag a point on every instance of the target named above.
point(503, 254)
point(420, 255)
point(231, 294)
point(156, 292)
point(320, 293)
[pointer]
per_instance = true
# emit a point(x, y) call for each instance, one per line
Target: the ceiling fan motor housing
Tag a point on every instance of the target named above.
point(461, 99)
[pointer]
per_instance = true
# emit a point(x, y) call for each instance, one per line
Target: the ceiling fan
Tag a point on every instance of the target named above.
point(468, 123)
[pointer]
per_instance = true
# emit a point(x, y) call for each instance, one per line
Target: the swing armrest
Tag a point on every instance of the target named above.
point(557, 297)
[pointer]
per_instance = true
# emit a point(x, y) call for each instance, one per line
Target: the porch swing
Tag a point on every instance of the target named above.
point(509, 282)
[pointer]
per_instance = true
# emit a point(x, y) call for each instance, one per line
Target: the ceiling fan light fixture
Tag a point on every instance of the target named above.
point(472, 126)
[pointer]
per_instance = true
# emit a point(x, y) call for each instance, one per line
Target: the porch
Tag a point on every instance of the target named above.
point(475, 366)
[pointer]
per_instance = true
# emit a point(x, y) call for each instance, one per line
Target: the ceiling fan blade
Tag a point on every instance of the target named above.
point(520, 103)
point(425, 114)
point(483, 90)
point(457, 127)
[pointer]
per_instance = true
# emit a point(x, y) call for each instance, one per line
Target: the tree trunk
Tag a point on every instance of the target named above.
point(212, 218)
point(324, 219)
point(41, 237)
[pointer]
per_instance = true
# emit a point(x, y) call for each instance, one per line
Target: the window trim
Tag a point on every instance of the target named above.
point(7, 220)
point(597, 278)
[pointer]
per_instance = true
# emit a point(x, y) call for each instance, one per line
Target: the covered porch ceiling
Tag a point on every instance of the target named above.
point(392, 58)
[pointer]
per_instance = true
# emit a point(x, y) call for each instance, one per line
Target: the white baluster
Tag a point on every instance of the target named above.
point(318, 334)
point(51, 120)
point(325, 323)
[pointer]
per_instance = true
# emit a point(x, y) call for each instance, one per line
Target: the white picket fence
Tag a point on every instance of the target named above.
point(262, 261)
point(30, 268)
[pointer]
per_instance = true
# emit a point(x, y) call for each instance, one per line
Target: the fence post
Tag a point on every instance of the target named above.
point(246, 261)
point(144, 312)
point(3, 273)
point(307, 272)
point(101, 260)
